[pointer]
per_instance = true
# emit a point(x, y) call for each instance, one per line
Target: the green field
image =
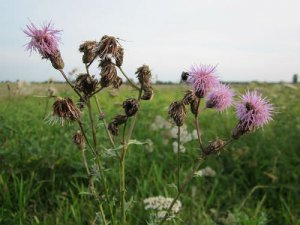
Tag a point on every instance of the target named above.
point(43, 181)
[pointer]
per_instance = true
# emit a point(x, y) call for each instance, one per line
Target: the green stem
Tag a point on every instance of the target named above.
point(131, 83)
point(92, 126)
point(197, 126)
point(104, 122)
point(178, 158)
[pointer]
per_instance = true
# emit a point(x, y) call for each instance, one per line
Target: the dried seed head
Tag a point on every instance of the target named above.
point(188, 97)
point(57, 61)
point(86, 83)
point(88, 49)
point(148, 93)
point(131, 106)
point(144, 75)
point(108, 72)
point(117, 82)
point(214, 147)
point(66, 109)
point(78, 139)
point(177, 112)
point(120, 56)
point(184, 76)
point(113, 126)
point(194, 106)
point(107, 47)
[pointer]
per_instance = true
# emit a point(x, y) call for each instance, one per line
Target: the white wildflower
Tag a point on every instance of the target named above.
point(206, 172)
point(175, 147)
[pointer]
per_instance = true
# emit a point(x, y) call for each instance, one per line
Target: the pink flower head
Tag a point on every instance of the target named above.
point(203, 79)
point(43, 40)
point(220, 97)
point(253, 111)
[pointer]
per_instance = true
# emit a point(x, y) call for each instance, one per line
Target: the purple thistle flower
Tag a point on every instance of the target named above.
point(220, 97)
point(254, 111)
point(203, 79)
point(44, 40)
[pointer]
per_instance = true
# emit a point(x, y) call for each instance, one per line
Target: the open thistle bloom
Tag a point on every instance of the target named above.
point(203, 79)
point(253, 112)
point(45, 41)
point(220, 98)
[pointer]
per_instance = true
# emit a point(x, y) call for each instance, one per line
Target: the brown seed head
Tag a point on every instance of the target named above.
point(78, 139)
point(66, 109)
point(107, 47)
point(188, 97)
point(194, 106)
point(108, 72)
point(88, 49)
point(120, 56)
point(214, 147)
point(113, 126)
point(57, 61)
point(177, 112)
point(86, 83)
point(117, 82)
point(131, 106)
point(148, 93)
point(144, 75)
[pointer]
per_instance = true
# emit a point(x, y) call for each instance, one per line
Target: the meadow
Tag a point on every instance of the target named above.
point(43, 181)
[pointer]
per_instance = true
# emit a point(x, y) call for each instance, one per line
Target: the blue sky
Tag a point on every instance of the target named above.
point(249, 40)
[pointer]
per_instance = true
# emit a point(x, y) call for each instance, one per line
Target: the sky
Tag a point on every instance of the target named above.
point(249, 40)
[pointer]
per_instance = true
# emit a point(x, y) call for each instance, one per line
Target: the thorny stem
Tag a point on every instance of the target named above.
point(135, 116)
point(69, 82)
point(104, 122)
point(131, 83)
point(197, 125)
point(122, 178)
point(187, 181)
point(178, 158)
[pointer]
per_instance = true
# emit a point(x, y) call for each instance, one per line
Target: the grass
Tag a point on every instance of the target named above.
point(43, 181)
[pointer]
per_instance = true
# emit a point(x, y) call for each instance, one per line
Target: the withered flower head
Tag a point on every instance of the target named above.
point(78, 139)
point(143, 74)
point(214, 147)
point(188, 97)
point(113, 126)
point(131, 106)
point(177, 112)
point(108, 72)
point(88, 49)
point(120, 56)
point(148, 93)
point(117, 82)
point(66, 109)
point(86, 83)
point(194, 106)
point(108, 46)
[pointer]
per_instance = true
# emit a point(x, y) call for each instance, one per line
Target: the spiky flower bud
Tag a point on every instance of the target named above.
point(214, 147)
point(66, 109)
point(131, 106)
point(120, 56)
point(177, 112)
point(86, 83)
point(88, 49)
point(78, 139)
point(188, 97)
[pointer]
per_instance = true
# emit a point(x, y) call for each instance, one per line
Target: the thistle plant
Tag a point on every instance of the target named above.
point(110, 54)
point(252, 111)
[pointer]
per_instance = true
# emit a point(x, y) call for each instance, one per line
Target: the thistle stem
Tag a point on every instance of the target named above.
point(92, 126)
point(178, 158)
point(197, 125)
point(131, 83)
point(69, 82)
point(122, 178)
point(104, 122)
